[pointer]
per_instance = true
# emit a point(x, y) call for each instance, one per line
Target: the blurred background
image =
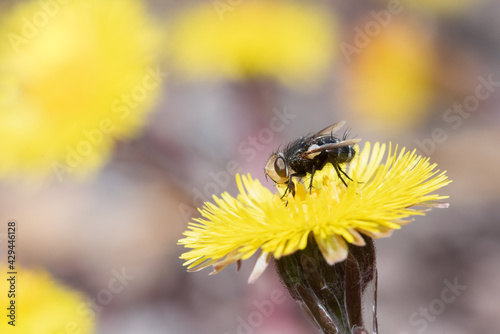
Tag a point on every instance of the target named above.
point(119, 118)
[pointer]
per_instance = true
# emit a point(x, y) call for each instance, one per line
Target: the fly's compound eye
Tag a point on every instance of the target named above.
point(280, 167)
point(277, 169)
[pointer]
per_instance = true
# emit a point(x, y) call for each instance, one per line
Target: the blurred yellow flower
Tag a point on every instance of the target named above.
point(42, 305)
point(390, 81)
point(74, 77)
point(377, 201)
point(285, 40)
point(443, 7)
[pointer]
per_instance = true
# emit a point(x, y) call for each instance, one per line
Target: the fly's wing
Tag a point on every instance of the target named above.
point(331, 129)
point(316, 149)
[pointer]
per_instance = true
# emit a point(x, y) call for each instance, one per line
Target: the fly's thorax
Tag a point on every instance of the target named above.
point(300, 165)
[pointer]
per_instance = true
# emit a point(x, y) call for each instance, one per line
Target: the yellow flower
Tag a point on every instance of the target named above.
point(393, 74)
point(288, 41)
point(74, 77)
point(43, 305)
point(377, 201)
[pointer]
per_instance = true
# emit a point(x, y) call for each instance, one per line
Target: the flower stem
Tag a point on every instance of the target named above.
point(334, 295)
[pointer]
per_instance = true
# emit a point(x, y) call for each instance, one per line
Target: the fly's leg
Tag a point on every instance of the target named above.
point(312, 176)
point(339, 170)
point(290, 189)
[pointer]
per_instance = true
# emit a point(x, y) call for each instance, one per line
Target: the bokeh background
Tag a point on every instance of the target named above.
point(119, 118)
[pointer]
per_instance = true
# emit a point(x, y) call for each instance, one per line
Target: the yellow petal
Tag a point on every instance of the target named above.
point(333, 248)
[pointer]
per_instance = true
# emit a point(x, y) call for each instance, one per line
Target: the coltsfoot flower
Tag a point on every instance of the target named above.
point(75, 76)
point(283, 40)
point(380, 198)
point(394, 74)
point(43, 305)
